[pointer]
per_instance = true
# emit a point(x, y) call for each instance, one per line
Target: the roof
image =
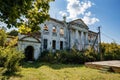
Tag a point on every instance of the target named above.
point(79, 22)
point(22, 39)
point(56, 20)
point(92, 32)
point(73, 22)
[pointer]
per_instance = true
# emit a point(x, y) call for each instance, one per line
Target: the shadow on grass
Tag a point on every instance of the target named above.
point(53, 66)
point(6, 75)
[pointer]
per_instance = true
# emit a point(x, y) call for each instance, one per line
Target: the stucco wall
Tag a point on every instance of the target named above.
point(22, 45)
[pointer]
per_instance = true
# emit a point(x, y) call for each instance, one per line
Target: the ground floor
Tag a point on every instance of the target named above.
point(32, 47)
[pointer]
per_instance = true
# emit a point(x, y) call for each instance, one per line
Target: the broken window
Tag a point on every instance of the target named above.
point(45, 27)
point(54, 29)
point(61, 31)
point(61, 45)
point(45, 44)
point(54, 44)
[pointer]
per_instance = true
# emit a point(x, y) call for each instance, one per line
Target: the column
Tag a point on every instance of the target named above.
point(76, 32)
point(79, 39)
point(82, 40)
point(86, 42)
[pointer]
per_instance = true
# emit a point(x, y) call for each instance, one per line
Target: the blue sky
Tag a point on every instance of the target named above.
point(104, 13)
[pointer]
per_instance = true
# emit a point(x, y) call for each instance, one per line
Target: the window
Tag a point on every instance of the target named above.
point(54, 44)
point(54, 29)
point(61, 45)
point(45, 43)
point(61, 31)
point(45, 27)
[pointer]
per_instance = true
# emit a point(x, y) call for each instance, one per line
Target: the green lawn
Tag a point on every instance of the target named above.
point(45, 71)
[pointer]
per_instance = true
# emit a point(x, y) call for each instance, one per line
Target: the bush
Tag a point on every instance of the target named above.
point(3, 37)
point(91, 55)
point(46, 56)
point(63, 56)
point(10, 59)
point(110, 51)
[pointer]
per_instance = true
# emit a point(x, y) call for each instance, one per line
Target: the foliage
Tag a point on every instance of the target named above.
point(63, 56)
point(91, 55)
point(46, 56)
point(24, 29)
point(3, 37)
point(10, 58)
point(14, 12)
point(13, 42)
point(13, 33)
point(110, 51)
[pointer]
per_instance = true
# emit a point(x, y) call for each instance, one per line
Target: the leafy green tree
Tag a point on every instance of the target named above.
point(24, 30)
point(13, 33)
point(111, 51)
point(3, 37)
point(9, 57)
point(14, 12)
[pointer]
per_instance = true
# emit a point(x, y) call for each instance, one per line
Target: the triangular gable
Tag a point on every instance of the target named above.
point(79, 22)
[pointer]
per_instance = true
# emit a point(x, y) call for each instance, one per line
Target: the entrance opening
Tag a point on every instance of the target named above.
point(29, 53)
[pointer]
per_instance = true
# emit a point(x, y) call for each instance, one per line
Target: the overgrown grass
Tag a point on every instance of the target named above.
point(46, 71)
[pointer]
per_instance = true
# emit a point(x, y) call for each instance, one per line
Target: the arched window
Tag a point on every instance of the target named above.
point(61, 31)
point(45, 27)
point(54, 29)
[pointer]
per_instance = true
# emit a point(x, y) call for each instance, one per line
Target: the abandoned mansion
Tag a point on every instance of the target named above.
point(57, 35)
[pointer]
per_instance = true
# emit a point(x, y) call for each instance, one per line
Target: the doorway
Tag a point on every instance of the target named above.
point(29, 53)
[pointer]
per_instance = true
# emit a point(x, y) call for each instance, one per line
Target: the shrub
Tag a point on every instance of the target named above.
point(74, 57)
point(111, 51)
point(3, 37)
point(10, 58)
point(63, 56)
point(46, 56)
point(91, 55)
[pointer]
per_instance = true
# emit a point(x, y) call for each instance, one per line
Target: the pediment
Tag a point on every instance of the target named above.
point(79, 22)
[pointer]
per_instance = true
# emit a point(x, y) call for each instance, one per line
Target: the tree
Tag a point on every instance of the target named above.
point(13, 33)
point(9, 57)
point(3, 37)
point(15, 12)
point(111, 51)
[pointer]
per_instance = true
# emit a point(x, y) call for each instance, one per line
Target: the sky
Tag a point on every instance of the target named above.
point(95, 13)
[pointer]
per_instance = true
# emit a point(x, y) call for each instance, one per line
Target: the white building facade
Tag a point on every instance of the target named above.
point(55, 35)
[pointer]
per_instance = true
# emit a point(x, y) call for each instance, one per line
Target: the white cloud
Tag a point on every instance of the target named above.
point(63, 13)
point(88, 19)
point(88, 14)
point(76, 8)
